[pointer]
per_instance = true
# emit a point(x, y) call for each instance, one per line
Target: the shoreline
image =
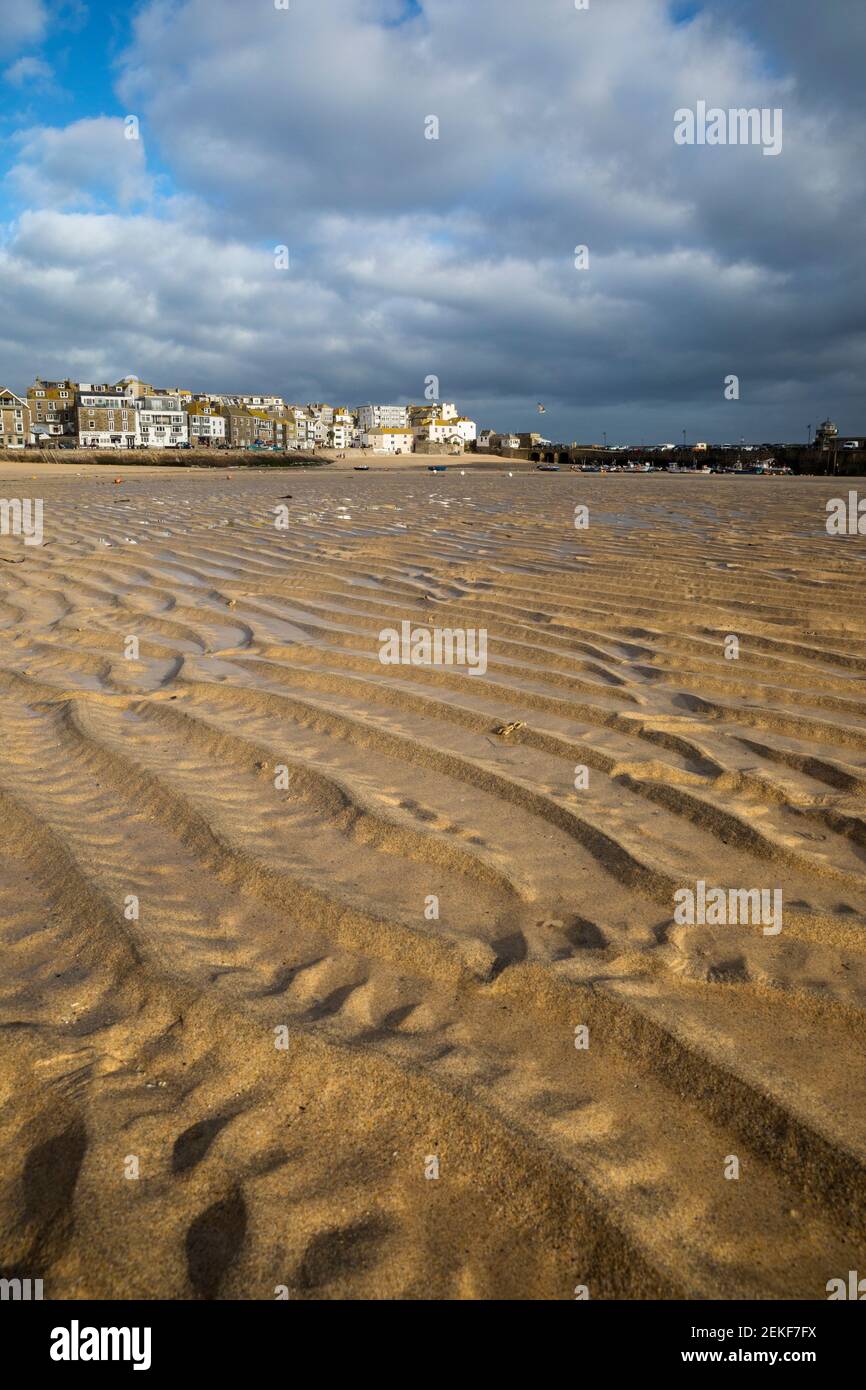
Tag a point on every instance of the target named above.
point(21, 466)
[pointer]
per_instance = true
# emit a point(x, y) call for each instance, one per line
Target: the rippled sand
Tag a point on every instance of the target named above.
point(144, 1038)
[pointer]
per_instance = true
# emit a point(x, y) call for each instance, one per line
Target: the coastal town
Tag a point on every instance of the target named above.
point(132, 414)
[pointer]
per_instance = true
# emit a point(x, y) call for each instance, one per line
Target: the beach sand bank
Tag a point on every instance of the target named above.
point(285, 931)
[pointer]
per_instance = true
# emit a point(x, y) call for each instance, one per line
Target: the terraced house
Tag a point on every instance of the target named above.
point(135, 387)
point(52, 408)
point(132, 413)
point(14, 420)
point(383, 439)
point(162, 422)
point(246, 427)
point(282, 434)
point(206, 423)
point(295, 431)
point(106, 418)
point(275, 405)
point(303, 423)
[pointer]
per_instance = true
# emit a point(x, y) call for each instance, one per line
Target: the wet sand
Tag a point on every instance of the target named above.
point(229, 979)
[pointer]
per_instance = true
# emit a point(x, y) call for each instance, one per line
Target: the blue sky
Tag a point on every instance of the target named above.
point(81, 44)
point(80, 50)
point(455, 257)
point(410, 9)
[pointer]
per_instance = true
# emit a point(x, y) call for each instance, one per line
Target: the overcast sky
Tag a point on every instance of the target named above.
point(261, 127)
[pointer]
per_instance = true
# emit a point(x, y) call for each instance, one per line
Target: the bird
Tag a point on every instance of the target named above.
point(541, 408)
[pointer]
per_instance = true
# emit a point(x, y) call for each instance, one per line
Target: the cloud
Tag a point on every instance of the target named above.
point(87, 163)
point(456, 256)
point(22, 23)
point(129, 293)
point(28, 71)
point(105, 294)
point(824, 44)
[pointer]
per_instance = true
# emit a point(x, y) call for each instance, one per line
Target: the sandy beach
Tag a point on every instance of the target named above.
point(286, 932)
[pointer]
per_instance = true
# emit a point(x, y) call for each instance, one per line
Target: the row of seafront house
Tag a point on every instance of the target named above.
point(133, 415)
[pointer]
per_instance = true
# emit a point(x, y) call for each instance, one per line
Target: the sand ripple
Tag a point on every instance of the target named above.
point(169, 897)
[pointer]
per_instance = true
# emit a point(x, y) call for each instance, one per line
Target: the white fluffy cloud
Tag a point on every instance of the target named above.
point(82, 164)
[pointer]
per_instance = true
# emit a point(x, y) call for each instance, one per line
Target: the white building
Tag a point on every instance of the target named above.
point(383, 439)
point(340, 435)
point(206, 426)
point(275, 404)
point(466, 429)
point(449, 434)
point(162, 422)
point(374, 417)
